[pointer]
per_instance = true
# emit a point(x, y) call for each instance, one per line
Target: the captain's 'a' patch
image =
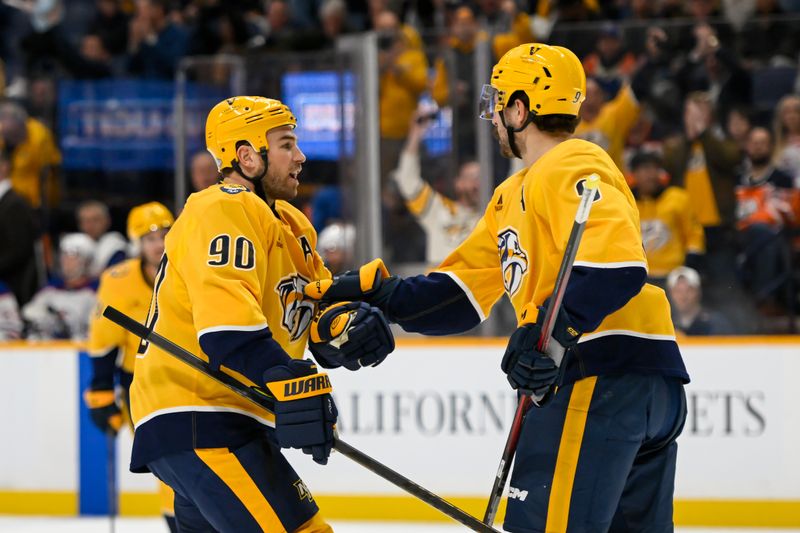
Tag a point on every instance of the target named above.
point(579, 190)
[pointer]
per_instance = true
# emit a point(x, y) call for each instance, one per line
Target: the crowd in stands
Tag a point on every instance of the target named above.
point(695, 100)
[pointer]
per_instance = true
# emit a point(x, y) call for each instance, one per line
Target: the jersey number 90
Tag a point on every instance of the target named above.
point(219, 252)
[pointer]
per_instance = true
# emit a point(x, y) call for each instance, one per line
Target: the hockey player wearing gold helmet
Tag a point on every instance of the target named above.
point(599, 454)
point(128, 287)
point(230, 290)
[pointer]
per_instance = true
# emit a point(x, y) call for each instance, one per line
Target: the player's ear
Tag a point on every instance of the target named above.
point(244, 153)
point(520, 112)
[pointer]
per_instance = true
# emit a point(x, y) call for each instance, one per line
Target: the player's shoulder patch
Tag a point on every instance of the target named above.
point(233, 188)
point(121, 270)
point(579, 190)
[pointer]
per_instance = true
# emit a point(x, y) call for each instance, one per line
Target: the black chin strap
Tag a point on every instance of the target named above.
point(510, 130)
point(258, 186)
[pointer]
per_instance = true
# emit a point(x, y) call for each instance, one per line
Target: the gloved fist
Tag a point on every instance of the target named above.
point(371, 283)
point(103, 409)
point(533, 372)
point(305, 414)
point(350, 334)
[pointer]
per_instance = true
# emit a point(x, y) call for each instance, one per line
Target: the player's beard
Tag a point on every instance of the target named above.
point(505, 147)
point(279, 186)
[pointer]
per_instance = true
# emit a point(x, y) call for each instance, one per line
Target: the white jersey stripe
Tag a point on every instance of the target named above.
point(203, 409)
point(621, 264)
point(627, 333)
point(468, 292)
point(216, 329)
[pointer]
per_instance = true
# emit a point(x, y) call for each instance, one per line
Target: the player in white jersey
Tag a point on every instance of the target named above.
point(61, 310)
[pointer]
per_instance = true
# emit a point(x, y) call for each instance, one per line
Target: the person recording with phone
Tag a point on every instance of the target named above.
point(446, 221)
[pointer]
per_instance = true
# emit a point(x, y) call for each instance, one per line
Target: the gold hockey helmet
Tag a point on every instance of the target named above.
point(148, 217)
point(551, 76)
point(243, 118)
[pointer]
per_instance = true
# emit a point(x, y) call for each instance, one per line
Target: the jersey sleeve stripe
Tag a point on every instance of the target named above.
point(468, 292)
point(629, 333)
point(619, 264)
point(217, 329)
point(203, 409)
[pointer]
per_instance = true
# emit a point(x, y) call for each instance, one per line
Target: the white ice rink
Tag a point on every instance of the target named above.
point(152, 525)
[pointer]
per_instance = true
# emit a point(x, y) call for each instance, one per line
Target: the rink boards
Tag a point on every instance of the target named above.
point(437, 411)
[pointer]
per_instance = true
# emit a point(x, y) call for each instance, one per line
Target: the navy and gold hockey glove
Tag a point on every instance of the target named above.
point(305, 415)
point(371, 283)
point(350, 334)
point(103, 409)
point(533, 372)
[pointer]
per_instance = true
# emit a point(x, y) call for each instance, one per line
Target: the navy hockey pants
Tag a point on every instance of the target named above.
point(600, 457)
point(248, 489)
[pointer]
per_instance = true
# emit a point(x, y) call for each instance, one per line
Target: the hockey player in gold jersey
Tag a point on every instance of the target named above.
point(600, 455)
point(230, 290)
point(128, 287)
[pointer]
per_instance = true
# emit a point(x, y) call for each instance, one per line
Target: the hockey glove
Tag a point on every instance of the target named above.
point(103, 409)
point(352, 335)
point(371, 283)
point(305, 414)
point(531, 371)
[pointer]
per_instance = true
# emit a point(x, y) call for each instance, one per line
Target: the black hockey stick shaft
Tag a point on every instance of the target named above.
point(590, 186)
point(263, 400)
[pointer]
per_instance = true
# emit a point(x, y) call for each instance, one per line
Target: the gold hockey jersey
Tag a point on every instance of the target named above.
point(230, 290)
point(124, 287)
point(517, 248)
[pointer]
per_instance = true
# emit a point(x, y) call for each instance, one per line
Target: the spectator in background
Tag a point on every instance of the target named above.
point(326, 206)
point(33, 154)
point(688, 314)
point(274, 29)
point(671, 234)
point(464, 36)
point(767, 37)
point(714, 69)
point(62, 309)
point(155, 44)
point(446, 222)
point(567, 14)
point(203, 171)
point(610, 63)
point(111, 247)
point(336, 245)
point(507, 25)
point(10, 322)
point(333, 21)
point(607, 123)
point(738, 126)
point(18, 234)
point(110, 24)
point(704, 163)
point(403, 74)
point(218, 29)
point(787, 135)
point(764, 207)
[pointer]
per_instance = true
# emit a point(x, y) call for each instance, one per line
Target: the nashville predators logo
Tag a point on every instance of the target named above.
point(513, 260)
point(302, 491)
point(297, 312)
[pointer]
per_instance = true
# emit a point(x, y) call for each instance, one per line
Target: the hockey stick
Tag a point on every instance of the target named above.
point(590, 186)
point(262, 399)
